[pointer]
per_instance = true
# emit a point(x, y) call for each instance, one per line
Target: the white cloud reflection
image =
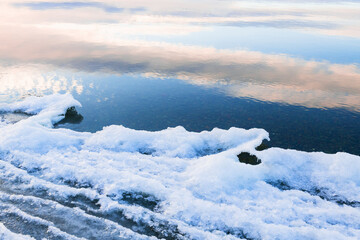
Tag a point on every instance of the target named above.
point(20, 81)
point(90, 38)
point(328, 17)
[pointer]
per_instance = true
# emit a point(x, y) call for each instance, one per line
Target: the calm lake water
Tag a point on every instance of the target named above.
point(154, 104)
point(292, 69)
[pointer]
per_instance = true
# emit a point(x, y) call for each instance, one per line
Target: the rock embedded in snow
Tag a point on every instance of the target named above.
point(263, 146)
point(248, 158)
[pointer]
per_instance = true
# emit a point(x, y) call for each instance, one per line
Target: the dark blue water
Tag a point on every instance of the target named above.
point(154, 104)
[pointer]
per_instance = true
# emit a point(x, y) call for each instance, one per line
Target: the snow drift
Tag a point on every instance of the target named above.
point(121, 183)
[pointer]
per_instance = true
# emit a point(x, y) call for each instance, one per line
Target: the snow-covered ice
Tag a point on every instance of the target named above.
point(120, 183)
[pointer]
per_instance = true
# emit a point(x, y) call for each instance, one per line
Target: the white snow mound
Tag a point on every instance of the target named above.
point(172, 184)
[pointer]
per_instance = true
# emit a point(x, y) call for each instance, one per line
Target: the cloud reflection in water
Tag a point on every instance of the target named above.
point(20, 81)
point(53, 36)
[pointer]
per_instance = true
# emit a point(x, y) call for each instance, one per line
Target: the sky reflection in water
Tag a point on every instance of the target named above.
point(291, 68)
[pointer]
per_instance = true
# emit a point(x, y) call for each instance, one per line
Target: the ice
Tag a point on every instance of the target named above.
point(121, 183)
point(8, 235)
point(49, 109)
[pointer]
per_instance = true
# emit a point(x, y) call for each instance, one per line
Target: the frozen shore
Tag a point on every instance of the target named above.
point(173, 184)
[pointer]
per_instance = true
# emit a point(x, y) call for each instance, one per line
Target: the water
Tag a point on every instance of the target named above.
point(154, 104)
point(292, 69)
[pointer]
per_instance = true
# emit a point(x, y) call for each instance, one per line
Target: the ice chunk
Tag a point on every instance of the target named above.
point(52, 107)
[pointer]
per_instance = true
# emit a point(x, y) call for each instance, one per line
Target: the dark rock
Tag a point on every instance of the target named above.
point(247, 158)
point(71, 116)
point(262, 146)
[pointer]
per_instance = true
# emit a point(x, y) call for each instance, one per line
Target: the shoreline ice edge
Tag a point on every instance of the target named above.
point(192, 181)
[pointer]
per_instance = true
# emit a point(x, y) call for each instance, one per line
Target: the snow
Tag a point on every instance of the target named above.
point(125, 183)
point(5, 234)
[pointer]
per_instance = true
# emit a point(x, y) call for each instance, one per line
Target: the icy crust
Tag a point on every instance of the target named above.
point(49, 109)
point(5, 234)
point(121, 183)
